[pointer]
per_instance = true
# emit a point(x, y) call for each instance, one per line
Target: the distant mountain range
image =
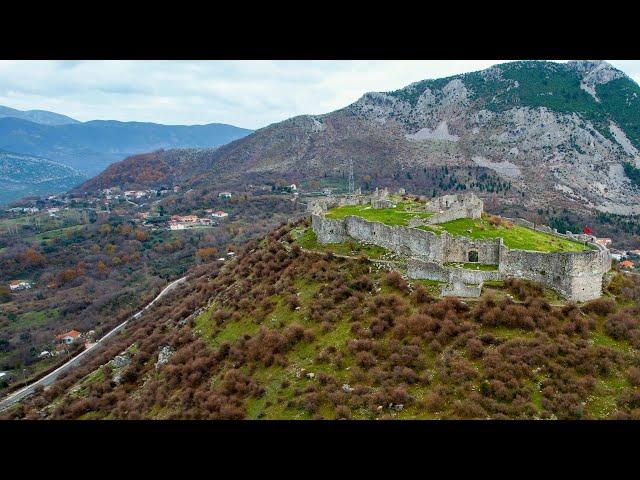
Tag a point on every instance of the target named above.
point(37, 116)
point(90, 147)
point(25, 175)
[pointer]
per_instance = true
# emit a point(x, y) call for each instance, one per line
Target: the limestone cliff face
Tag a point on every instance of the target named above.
point(542, 126)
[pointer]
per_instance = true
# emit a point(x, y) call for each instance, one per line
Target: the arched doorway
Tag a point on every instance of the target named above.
point(473, 256)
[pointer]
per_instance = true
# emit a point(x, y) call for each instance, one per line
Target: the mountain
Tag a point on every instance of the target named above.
point(92, 146)
point(25, 175)
point(558, 133)
point(281, 332)
point(37, 116)
point(537, 133)
point(154, 169)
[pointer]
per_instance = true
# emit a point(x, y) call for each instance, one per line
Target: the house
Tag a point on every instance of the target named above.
point(224, 195)
point(176, 226)
point(635, 252)
point(618, 255)
point(219, 214)
point(604, 242)
point(16, 285)
point(68, 337)
point(628, 264)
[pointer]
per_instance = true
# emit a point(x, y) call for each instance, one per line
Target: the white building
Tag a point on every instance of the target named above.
point(16, 285)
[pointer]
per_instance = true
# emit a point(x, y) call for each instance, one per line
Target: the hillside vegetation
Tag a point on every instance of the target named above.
point(280, 333)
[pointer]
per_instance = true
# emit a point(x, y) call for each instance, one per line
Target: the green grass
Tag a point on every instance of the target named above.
point(307, 239)
point(400, 215)
point(608, 390)
point(516, 237)
point(33, 319)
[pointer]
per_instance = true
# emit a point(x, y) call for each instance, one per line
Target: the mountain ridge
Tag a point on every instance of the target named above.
point(43, 117)
point(26, 175)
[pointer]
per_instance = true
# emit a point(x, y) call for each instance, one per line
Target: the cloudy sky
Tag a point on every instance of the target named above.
point(248, 94)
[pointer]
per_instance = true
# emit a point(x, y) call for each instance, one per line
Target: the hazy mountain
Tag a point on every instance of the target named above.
point(37, 116)
point(92, 146)
point(25, 175)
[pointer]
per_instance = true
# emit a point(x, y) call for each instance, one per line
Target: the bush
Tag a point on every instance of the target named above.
point(600, 306)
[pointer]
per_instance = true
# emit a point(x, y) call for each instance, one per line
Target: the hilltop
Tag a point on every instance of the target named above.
point(37, 116)
point(287, 331)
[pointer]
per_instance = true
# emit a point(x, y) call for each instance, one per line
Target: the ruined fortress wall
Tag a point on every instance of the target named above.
point(460, 289)
point(433, 271)
point(403, 240)
point(453, 207)
point(320, 205)
point(427, 270)
point(456, 249)
point(328, 230)
point(575, 275)
point(406, 240)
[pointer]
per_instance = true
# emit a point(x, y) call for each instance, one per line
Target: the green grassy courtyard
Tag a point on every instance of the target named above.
point(515, 236)
point(404, 211)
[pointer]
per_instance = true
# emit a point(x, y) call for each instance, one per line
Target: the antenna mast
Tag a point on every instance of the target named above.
point(351, 181)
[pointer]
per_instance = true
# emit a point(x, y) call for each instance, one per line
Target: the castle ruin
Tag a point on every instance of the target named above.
point(576, 275)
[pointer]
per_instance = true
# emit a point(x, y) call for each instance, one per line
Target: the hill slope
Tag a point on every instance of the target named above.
point(26, 175)
point(92, 146)
point(284, 333)
point(560, 134)
point(38, 116)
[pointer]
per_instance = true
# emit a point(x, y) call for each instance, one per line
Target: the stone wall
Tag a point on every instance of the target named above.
point(575, 275)
point(460, 289)
point(427, 270)
point(406, 240)
point(453, 207)
point(434, 271)
point(328, 230)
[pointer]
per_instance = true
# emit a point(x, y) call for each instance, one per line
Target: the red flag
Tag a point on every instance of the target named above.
point(587, 230)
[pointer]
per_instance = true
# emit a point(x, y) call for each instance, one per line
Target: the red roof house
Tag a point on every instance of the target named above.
point(68, 337)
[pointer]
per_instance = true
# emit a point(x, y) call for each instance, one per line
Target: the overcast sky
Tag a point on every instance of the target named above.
point(248, 94)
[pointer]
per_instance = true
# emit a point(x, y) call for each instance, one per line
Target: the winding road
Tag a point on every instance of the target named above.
point(51, 377)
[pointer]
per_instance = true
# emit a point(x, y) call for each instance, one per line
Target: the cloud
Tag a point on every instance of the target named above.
point(250, 94)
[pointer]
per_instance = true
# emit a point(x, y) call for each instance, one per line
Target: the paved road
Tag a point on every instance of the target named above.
point(51, 377)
